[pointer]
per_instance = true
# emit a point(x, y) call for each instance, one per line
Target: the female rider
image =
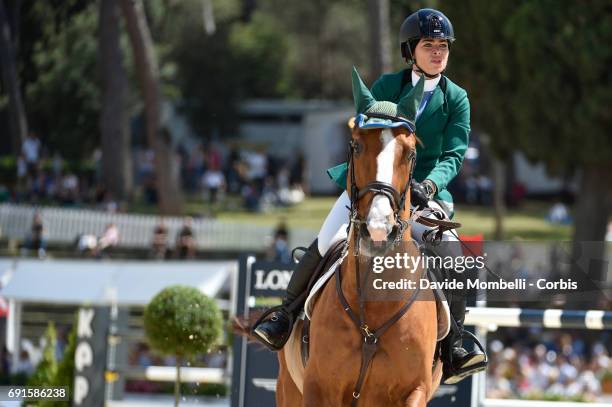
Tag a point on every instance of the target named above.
point(443, 125)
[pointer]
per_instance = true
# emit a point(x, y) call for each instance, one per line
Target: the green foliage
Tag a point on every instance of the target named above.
point(259, 47)
point(537, 76)
point(46, 370)
point(182, 321)
point(215, 72)
point(481, 60)
point(560, 54)
point(64, 100)
point(65, 368)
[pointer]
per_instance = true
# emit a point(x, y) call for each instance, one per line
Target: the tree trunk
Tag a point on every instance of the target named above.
point(168, 186)
point(499, 189)
point(592, 210)
point(177, 382)
point(114, 118)
point(380, 48)
point(17, 116)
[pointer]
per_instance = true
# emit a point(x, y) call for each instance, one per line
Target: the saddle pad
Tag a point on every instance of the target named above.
point(314, 293)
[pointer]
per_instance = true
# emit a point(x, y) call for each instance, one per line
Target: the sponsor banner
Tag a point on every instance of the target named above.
point(90, 356)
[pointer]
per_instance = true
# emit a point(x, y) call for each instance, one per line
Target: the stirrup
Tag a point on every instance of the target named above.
point(457, 375)
point(279, 308)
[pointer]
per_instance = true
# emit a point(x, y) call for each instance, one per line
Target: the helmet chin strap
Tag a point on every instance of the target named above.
point(421, 70)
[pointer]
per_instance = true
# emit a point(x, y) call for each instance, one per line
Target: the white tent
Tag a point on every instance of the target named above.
point(104, 282)
point(88, 282)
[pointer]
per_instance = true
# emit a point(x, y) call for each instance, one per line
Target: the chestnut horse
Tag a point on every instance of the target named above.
point(371, 352)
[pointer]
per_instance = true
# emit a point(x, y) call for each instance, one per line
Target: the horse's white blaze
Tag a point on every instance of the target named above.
point(380, 219)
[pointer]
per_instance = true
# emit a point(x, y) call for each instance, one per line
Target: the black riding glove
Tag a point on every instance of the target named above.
point(421, 193)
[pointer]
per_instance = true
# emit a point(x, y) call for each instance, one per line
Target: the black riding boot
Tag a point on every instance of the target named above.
point(459, 363)
point(274, 330)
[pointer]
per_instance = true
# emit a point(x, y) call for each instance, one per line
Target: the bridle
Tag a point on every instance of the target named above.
point(397, 199)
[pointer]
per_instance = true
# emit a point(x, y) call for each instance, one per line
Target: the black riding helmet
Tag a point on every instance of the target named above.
point(424, 23)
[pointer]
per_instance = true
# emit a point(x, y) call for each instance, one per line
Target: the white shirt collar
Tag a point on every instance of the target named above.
point(430, 84)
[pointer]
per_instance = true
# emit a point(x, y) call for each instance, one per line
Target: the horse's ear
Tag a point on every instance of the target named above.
point(361, 94)
point(409, 104)
point(351, 123)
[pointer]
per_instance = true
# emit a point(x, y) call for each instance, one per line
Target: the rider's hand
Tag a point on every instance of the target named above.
point(421, 193)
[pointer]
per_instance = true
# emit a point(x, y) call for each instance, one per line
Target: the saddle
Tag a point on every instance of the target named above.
point(297, 347)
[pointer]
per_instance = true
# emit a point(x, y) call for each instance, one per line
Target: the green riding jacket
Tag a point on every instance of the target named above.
point(443, 127)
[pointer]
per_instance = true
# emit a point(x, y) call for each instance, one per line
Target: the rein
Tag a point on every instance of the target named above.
point(398, 200)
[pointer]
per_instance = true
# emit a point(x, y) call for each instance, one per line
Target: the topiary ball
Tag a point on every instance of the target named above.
point(182, 321)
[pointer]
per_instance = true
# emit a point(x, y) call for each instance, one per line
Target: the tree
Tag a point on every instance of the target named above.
point(64, 376)
point(159, 139)
point(569, 104)
point(46, 370)
point(380, 47)
point(481, 61)
point(183, 322)
point(538, 80)
point(114, 130)
point(17, 116)
point(59, 64)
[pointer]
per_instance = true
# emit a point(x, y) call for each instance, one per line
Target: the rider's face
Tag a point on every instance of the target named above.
point(432, 55)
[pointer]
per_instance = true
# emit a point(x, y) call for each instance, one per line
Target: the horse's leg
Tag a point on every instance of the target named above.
point(287, 393)
point(418, 397)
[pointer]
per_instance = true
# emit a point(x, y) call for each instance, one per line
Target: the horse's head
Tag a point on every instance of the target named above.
point(382, 157)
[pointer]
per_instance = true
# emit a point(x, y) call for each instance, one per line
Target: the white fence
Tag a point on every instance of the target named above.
point(63, 225)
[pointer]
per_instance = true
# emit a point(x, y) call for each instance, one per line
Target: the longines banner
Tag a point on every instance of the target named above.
point(255, 368)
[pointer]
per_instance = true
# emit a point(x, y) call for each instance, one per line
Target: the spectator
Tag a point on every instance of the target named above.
point(36, 241)
point(86, 244)
point(213, 182)
point(197, 166)
point(31, 152)
point(69, 189)
point(558, 214)
point(185, 242)
point(24, 364)
point(159, 246)
point(57, 165)
point(279, 249)
point(108, 240)
point(22, 178)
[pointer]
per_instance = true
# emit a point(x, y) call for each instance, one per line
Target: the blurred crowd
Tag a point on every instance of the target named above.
point(211, 170)
point(548, 364)
point(260, 178)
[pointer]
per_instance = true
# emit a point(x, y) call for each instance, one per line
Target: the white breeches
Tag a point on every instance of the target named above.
point(335, 226)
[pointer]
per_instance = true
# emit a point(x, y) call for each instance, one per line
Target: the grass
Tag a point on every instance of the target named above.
point(524, 223)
